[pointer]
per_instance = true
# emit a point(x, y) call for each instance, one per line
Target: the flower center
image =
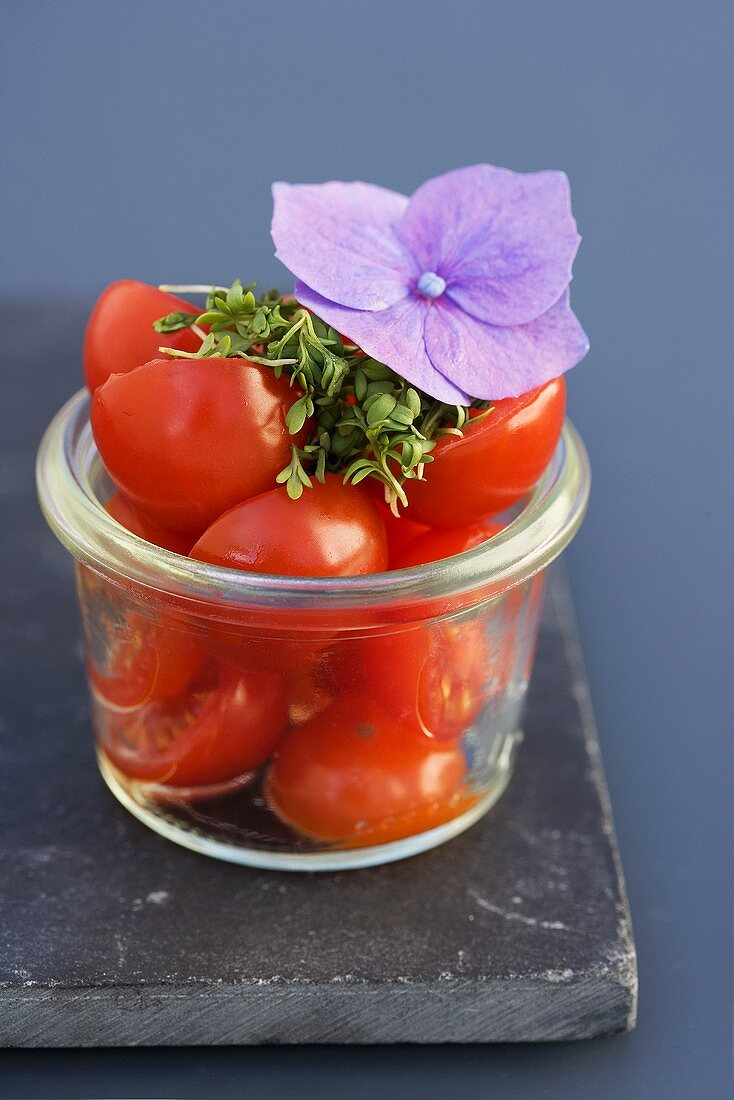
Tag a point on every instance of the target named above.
point(431, 285)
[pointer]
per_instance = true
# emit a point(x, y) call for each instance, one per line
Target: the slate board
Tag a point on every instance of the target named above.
point(110, 935)
point(517, 930)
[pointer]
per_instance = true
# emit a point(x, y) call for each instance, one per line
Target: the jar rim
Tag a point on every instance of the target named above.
point(67, 459)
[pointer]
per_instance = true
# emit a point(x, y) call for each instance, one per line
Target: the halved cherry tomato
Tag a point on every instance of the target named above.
point(334, 530)
point(120, 334)
point(218, 734)
point(187, 439)
point(146, 661)
point(307, 696)
point(433, 680)
point(435, 544)
point(353, 774)
point(497, 461)
point(133, 520)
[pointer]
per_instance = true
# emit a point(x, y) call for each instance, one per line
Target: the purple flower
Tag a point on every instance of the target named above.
point(462, 289)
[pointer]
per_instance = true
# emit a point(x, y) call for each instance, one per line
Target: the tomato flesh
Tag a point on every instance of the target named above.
point(187, 439)
point(495, 464)
point(148, 661)
point(219, 734)
point(120, 334)
point(353, 774)
point(433, 680)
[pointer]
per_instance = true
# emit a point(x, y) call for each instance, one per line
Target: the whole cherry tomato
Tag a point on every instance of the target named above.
point(187, 439)
point(120, 334)
point(400, 529)
point(497, 461)
point(217, 734)
point(334, 530)
point(435, 544)
point(353, 774)
point(138, 524)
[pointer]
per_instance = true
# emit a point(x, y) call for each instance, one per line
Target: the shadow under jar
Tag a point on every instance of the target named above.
point(303, 723)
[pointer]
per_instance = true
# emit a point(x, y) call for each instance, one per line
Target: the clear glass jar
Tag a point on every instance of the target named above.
point(304, 723)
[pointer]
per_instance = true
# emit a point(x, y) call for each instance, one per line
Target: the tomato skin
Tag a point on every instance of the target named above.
point(186, 439)
point(120, 334)
point(138, 524)
point(227, 731)
point(352, 773)
point(435, 544)
point(497, 461)
point(334, 530)
point(400, 529)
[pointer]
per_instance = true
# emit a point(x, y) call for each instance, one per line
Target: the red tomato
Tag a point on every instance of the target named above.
point(120, 334)
point(497, 461)
point(334, 530)
point(187, 439)
point(218, 734)
point(435, 544)
point(273, 650)
point(434, 680)
point(352, 774)
point(147, 661)
point(306, 694)
point(138, 524)
point(400, 529)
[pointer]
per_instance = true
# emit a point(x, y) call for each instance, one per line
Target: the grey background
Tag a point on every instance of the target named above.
point(140, 139)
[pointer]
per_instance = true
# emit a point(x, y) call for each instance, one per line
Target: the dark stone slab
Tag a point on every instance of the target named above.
point(517, 930)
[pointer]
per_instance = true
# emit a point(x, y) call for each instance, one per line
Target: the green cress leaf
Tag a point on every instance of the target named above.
point(174, 322)
point(365, 420)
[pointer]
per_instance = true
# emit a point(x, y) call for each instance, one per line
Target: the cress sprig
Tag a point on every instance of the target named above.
point(368, 421)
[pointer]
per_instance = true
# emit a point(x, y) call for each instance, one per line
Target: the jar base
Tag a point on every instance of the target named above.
point(162, 821)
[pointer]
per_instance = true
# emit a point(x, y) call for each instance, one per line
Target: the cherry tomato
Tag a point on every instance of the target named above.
point(497, 461)
point(146, 661)
point(400, 529)
point(220, 733)
point(433, 680)
point(134, 521)
point(435, 544)
point(334, 530)
point(282, 649)
point(120, 334)
point(353, 774)
point(187, 439)
point(307, 696)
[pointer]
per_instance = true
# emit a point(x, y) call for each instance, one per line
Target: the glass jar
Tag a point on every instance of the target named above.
point(303, 723)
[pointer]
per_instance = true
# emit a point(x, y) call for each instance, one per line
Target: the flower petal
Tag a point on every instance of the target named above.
point(504, 241)
point(340, 239)
point(490, 361)
point(393, 336)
